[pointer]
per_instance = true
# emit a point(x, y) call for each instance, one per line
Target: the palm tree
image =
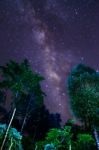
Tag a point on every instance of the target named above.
point(83, 89)
point(21, 81)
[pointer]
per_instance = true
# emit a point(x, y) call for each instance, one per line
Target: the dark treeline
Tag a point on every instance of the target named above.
point(26, 124)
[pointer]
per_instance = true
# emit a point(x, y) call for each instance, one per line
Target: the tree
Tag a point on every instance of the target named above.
point(83, 87)
point(14, 138)
point(57, 139)
point(85, 142)
point(36, 126)
point(21, 81)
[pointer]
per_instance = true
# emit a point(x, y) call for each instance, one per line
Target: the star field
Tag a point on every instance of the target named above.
point(54, 35)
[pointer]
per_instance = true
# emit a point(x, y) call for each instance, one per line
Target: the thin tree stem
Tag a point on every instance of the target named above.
point(5, 137)
point(11, 144)
point(26, 115)
point(36, 147)
point(96, 138)
point(24, 121)
point(70, 147)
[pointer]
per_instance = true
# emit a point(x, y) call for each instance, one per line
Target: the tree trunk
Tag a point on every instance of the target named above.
point(5, 137)
point(36, 147)
point(70, 147)
point(23, 124)
point(96, 138)
point(11, 144)
point(26, 114)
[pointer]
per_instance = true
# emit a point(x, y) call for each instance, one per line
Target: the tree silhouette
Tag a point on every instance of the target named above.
point(40, 122)
point(83, 86)
point(21, 81)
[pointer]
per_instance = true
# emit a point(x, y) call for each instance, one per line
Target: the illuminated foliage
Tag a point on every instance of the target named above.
point(13, 140)
point(83, 86)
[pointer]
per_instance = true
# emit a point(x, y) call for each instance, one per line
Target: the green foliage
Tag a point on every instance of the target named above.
point(85, 142)
point(40, 145)
point(49, 147)
point(83, 86)
point(14, 138)
point(20, 78)
point(59, 138)
point(25, 87)
point(70, 122)
point(62, 139)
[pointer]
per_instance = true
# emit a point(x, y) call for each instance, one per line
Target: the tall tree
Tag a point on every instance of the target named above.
point(83, 87)
point(21, 80)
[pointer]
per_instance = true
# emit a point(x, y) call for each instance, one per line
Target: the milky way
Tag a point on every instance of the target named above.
point(54, 35)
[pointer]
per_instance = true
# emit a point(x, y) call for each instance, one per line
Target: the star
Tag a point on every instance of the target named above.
point(54, 36)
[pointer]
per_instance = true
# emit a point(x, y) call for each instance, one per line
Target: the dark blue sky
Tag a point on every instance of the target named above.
point(54, 35)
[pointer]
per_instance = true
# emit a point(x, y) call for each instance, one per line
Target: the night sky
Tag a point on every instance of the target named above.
point(54, 35)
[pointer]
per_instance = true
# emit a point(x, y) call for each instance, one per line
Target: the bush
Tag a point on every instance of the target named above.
point(13, 139)
point(85, 142)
